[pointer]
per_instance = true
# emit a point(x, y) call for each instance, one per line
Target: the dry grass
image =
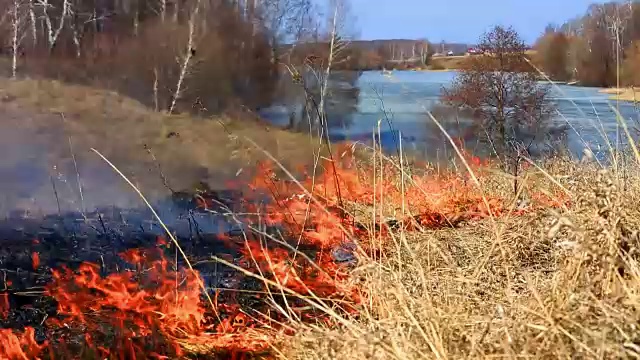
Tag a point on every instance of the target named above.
point(549, 284)
point(188, 149)
point(448, 63)
point(624, 94)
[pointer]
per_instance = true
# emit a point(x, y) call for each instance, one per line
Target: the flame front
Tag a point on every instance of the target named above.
point(158, 310)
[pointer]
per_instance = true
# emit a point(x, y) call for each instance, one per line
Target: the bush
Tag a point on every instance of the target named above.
point(553, 48)
point(631, 65)
point(503, 89)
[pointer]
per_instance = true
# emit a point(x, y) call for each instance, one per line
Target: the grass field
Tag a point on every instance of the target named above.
point(549, 270)
point(625, 94)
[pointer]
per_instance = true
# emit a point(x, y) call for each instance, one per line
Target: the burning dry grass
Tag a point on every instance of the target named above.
point(546, 284)
point(449, 266)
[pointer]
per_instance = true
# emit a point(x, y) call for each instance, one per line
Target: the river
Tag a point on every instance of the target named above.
point(401, 100)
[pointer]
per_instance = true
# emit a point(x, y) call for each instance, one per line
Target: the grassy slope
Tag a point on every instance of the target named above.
point(120, 128)
point(625, 94)
point(447, 62)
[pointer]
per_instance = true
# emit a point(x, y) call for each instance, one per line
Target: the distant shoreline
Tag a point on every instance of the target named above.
point(622, 94)
point(434, 70)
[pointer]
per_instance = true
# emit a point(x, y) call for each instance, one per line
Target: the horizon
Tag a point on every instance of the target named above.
point(433, 20)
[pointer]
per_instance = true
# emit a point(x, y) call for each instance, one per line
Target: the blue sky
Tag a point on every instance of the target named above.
point(459, 20)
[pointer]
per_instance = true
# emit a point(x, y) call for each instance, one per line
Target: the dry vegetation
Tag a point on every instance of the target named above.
point(624, 94)
point(188, 149)
point(550, 271)
point(447, 62)
point(554, 283)
point(596, 49)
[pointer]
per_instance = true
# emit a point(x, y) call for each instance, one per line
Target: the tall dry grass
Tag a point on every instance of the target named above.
point(553, 283)
point(549, 284)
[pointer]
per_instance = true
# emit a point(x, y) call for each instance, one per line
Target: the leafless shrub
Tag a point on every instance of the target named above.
point(503, 89)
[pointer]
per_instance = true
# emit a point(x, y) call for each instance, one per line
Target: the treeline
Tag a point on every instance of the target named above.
point(362, 55)
point(173, 55)
point(598, 49)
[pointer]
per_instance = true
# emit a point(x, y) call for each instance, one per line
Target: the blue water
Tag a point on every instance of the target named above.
point(399, 103)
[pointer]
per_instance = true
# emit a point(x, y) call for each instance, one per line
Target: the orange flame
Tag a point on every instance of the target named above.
point(19, 346)
point(157, 309)
point(35, 260)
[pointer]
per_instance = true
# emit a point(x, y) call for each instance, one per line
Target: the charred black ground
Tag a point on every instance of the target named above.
point(72, 238)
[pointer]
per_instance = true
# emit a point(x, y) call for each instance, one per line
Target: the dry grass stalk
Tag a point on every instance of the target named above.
point(562, 283)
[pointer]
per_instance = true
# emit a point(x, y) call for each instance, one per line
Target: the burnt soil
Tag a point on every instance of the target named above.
point(72, 238)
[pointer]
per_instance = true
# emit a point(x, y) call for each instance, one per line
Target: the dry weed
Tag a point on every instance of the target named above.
point(548, 284)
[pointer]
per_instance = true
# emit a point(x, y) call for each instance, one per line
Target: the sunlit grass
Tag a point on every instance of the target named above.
point(553, 283)
point(558, 281)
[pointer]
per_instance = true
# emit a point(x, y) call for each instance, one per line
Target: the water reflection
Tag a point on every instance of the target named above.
point(361, 103)
point(298, 102)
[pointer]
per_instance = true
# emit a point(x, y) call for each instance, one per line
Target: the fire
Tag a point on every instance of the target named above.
point(138, 309)
point(35, 260)
point(156, 308)
point(4, 305)
point(19, 346)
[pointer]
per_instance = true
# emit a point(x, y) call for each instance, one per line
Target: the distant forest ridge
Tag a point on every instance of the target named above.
point(407, 44)
point(404, 48)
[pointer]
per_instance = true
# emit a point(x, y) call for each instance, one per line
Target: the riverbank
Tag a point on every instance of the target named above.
point(447, 63)
point(623, 94)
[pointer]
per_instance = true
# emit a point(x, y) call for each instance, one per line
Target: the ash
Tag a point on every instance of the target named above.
point(72, 238)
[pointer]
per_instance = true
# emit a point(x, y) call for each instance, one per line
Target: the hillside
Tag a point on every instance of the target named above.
point(49, 126)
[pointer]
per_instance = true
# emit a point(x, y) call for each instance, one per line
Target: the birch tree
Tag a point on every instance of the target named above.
point(53, 30)
point(185, 62)
point(18, 17)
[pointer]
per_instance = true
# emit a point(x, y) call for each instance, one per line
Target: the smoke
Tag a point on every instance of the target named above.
point(47, 170)
point(35, 180)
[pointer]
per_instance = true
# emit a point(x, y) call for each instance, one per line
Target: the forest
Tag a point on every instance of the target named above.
point(600, 48)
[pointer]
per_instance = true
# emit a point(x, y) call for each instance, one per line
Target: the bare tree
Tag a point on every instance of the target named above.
point(284, 20)
point(33, 23)
point(553, 50)
point(330, 48)
point(598, 41)
point(54, 30)
point(340, 20)
point(503, 89)
point(18, 19)
point(188, 55)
